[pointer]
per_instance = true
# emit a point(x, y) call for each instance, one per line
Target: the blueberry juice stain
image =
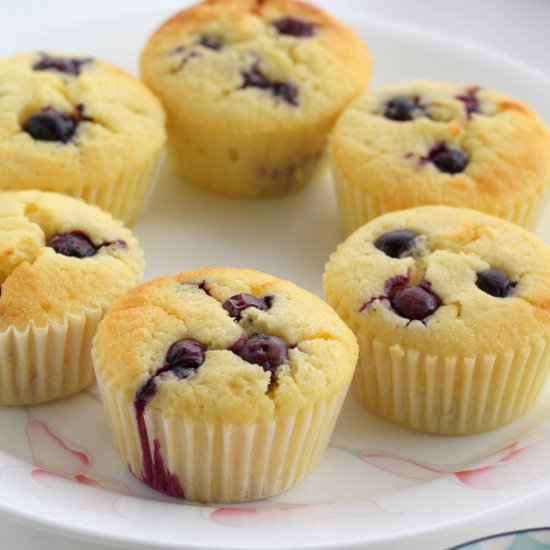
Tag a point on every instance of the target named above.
point(183, 358)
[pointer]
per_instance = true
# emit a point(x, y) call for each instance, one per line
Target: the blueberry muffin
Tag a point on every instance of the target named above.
point(251, 88)
point(222, 384)
point(62, 263)
point(81, 127)
point(451, 308)
point(422, 142)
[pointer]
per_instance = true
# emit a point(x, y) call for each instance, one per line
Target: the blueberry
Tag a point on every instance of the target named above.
point(211, 43)
point(65, 65)
point(184, 357)
point(286, 91)
point(495, 282)
point(294, 27)
point(51, 125)
point(396, 244)
point(400, 108)
point(470, 100)
point(262, 349)
point(414, 302)
point(238, 303)
point(451, 161)
point(75, 244)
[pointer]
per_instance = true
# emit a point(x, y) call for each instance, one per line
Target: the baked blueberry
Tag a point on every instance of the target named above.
point(400, 108)
point(211, 43)
point(286, 91)
point(236, 304)
point(51, 125)
point(262, 349)
point(414, 302)
point(75, 244)
point(67, 65)
point(450, 161)
point(495, 282)
point(470, 100)
point(397, 244)
point(295, 27)
point(184, 357)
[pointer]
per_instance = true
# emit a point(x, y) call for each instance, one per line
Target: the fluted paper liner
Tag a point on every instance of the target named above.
point(126, 197)
point(357, 207)
point(39, 364)
point(226, 462)
point(449, 394)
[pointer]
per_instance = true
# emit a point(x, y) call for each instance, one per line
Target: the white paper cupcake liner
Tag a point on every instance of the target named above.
point(449, 394)
point(125, 198)
point(357, 207)
point(222, 462)
point(47, 363)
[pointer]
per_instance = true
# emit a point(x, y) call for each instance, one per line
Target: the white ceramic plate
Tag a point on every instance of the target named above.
point(58, 469)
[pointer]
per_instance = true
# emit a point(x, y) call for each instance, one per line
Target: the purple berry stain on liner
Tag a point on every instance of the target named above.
point(470, 100)
point(183, 359)
point(236, 304)
point(293, 26)
point(283, 90)
point(66, 65)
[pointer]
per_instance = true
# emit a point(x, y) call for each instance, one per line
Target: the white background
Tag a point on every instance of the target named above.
point(518, 28)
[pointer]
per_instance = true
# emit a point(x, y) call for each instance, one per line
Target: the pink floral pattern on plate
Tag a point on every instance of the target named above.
point(269, 513)
point(62, 474)
point(61, 469)
point(510, 466)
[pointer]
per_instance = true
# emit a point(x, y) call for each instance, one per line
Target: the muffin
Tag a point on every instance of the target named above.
point(451, 308)
point(251, 89)
point(81, 127)
point(62, 263)
point(222, 385)
point(422, 142)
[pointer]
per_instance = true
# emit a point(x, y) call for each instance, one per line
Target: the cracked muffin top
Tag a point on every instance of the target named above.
point(228, 345)
point(450, 281)
point(258, 60)
point(69, 122)
point(424, 142)
point(59, 256)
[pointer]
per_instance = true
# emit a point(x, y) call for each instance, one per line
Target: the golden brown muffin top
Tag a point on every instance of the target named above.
point(134, 347)
point(394, 144)
point(112, 125)
point(452, 281)
point(265, 61)
point(60, 256)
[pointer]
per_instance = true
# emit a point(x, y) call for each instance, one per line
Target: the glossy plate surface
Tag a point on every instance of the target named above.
point(377, 482)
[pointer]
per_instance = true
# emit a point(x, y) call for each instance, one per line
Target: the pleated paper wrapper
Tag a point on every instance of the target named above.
point(449, 394)
point(357, 206)
point(39, 364)
point(217, 462)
